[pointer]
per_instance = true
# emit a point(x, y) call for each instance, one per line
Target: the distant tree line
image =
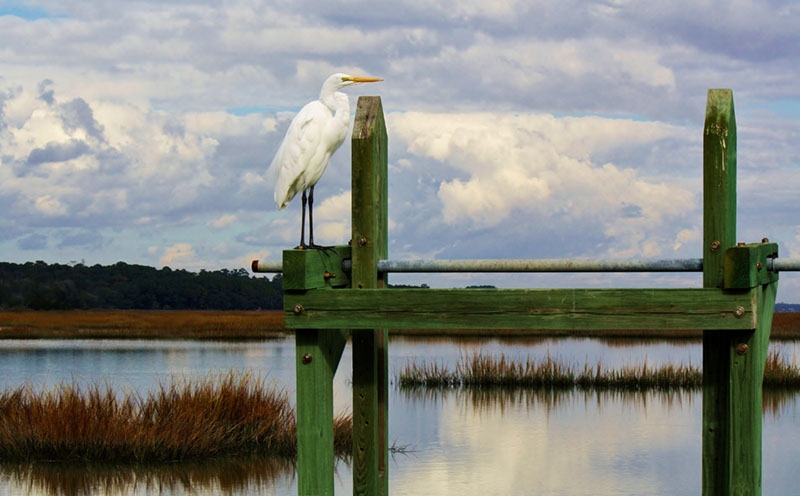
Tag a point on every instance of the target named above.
point(42, 286)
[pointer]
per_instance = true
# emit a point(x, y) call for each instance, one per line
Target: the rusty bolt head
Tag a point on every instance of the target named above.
point(307, 358)
point(741, 243)
point(739, 312)
point(298, 309)
point(362, 241)
point(765, 240)
point(742, 348)
point(715, 245)
point(329, 275)
point(759, 266)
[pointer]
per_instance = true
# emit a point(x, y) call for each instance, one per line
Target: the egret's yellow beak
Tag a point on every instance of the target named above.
point(359, 79)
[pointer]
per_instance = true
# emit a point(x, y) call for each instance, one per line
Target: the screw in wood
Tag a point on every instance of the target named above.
point(307, 358)
point(742, 349)
point(739, 312)
point(298, 309)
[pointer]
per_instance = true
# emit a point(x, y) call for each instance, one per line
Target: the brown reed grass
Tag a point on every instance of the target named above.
point(232, 414)
point(142, 324)
point(779, 373)
point(484, 371)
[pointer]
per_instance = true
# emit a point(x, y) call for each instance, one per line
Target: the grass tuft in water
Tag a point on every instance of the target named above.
point(232, 414)
point(779, 373)
point(484, 371)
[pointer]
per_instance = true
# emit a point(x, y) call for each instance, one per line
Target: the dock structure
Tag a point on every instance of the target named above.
point(339, 293)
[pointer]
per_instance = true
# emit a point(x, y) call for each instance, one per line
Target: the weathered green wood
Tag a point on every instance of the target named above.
point(558, 309)
point(719, 184)
point(746, 266)
point(748, 359)
point(310, 269)
point(719, 234)
point(370, 351)
point(317, 356)
point(732, 362)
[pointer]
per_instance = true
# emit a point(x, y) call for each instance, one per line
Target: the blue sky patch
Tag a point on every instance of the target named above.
point(24, 12)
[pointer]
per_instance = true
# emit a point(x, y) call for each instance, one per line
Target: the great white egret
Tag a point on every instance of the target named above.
point(314, 134)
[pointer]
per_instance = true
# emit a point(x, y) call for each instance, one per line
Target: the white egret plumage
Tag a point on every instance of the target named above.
point(314, 134)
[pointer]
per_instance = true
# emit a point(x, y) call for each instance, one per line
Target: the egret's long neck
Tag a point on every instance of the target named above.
point(339, 105)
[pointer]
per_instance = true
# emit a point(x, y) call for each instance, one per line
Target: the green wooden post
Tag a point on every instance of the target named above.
point(733, 361)
point(370, 346)
point(719, 234)
point(318, 353)
point(317, 356)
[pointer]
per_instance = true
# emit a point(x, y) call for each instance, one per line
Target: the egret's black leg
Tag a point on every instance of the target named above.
point(311, 222)
point(303, 221)
point(311, 217)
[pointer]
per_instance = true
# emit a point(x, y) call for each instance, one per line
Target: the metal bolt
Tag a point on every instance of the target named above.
point(741, 243)
point(742, 349)
point(328, 275)
point(739, 312)
point(759, 266)
point(765, 240)
point(298, 309)
point(307, 358)
point(362, 241)
point(715, 245)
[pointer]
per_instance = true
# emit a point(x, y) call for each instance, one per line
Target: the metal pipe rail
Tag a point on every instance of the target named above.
point(539, 265)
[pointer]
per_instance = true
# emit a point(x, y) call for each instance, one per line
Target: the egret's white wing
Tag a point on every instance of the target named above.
point(302, 153)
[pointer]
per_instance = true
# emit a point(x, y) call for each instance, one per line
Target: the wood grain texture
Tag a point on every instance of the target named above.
point(370, 344)
point(317, 357)
point(555, 309)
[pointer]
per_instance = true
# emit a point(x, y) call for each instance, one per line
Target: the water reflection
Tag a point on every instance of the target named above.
point(464, 442)
point(229, 476)
point(493, 400)
point(499, 400)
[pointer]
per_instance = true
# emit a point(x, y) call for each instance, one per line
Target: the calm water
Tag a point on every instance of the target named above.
point(457, 442)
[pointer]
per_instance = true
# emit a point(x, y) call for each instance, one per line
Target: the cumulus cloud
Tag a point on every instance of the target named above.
point(179, 254)
point(540, 170)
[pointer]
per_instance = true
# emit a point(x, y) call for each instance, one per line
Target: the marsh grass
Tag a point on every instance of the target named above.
point(232, 414)
point(142, 324)
point(779, 373)
point(484, 371)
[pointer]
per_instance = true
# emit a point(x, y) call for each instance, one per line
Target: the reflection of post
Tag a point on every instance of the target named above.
point(733, 361)
point(370, 346)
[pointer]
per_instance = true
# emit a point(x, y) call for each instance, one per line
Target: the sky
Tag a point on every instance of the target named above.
point(142, 131)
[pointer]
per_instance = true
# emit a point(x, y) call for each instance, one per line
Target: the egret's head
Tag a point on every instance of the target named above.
point(340, 80)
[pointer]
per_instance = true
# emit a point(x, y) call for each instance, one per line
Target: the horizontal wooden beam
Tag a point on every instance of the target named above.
point(544, 309)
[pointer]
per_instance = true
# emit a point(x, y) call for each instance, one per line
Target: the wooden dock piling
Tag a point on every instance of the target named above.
point(325, 305)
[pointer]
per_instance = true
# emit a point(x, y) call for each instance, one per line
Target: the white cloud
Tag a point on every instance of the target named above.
point(223, 222)
point(539, 168)
point(179, 254)
point(49, 206)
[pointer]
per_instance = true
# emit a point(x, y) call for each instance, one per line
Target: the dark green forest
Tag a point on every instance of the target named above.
point(42, 286)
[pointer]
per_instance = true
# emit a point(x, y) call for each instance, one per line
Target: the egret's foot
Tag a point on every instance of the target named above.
point(320, 247)
point(313, 246)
